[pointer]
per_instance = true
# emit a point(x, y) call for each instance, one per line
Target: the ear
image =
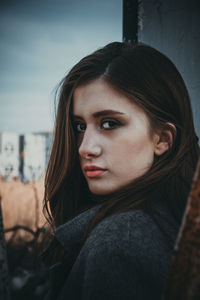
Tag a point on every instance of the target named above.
point(164, 139)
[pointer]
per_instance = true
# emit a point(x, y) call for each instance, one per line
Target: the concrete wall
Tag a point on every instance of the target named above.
point(173, 27)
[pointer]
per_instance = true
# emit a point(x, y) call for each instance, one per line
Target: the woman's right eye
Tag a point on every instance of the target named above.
point(79, 127)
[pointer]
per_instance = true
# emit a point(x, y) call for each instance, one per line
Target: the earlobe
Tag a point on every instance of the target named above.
point(161, 148)
point(164, 140)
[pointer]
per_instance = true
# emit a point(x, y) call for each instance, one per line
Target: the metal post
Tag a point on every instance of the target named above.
point(130, 21)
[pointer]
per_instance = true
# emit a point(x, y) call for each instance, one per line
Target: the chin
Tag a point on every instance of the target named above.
point(99, 190)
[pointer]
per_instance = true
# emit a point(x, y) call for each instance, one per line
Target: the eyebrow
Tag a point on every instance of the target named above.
point(103, 113)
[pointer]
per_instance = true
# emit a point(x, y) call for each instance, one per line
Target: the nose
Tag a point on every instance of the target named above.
point(90, 146)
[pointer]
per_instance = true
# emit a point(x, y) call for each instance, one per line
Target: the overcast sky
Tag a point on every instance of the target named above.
point(40, 40)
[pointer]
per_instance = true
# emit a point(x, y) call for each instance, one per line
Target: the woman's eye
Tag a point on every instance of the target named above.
point(79, 127)
point(109, 124)
point(105, 124)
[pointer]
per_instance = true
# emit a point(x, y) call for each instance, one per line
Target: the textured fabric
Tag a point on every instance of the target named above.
point(126, 256)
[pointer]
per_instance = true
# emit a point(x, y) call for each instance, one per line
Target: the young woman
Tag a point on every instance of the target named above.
point(119, 174)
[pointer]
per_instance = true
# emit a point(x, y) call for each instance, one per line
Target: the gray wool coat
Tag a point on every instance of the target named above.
point(126, 256)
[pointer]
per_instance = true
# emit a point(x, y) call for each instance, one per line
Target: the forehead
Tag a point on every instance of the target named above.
point(98, 95)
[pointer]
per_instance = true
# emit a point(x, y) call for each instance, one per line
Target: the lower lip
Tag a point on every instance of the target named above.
point(94, 173)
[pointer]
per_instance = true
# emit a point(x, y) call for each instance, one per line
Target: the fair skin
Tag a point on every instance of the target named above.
point(113, 137)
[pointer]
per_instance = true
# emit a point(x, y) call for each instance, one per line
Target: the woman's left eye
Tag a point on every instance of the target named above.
point(109, 124)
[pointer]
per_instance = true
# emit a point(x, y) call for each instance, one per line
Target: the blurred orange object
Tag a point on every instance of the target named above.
point(22, 205)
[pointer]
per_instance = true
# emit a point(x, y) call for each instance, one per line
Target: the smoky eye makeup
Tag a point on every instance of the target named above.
point(103, 123)
point(110, 123)
point(79, 126)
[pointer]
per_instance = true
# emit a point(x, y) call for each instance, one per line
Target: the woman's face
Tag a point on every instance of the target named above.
point(113, 137)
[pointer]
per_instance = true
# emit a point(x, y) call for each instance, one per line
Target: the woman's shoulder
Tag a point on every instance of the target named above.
point(122, 227)
point(127, 239)
point(133, 231)
point(125, 255)
point(134, 227)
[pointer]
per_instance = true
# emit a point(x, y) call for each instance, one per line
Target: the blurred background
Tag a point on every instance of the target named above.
point(40, 41)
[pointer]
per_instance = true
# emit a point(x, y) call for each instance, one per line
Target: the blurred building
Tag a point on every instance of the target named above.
point(32, 157)
point(48, 144)
point(24, 156)
point(9, 155)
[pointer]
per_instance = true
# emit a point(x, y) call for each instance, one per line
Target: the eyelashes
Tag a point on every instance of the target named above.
point(105, 124)
point(110, 124)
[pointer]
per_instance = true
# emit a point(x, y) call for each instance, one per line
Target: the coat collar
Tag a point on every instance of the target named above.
point(74, 229)
point(67, 234)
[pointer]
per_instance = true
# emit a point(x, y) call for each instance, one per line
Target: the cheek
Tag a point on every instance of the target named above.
point(132, 145)
point(133, 152)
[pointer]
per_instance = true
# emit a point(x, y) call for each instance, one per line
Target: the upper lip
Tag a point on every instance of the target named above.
point(92, 168)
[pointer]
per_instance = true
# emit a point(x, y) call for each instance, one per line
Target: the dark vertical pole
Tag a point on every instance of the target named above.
point(130, 21)
point(4, 278)
point(21, 161)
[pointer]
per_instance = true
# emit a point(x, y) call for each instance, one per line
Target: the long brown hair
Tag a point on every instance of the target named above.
point(151, 80)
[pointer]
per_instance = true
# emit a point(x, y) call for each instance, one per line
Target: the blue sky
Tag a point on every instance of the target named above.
point(40, 41)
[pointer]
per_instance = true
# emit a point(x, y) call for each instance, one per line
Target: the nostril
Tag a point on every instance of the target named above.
point(89, 152)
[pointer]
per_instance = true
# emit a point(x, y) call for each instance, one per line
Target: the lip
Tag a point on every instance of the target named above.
point(92, 168)
point(92, 171)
